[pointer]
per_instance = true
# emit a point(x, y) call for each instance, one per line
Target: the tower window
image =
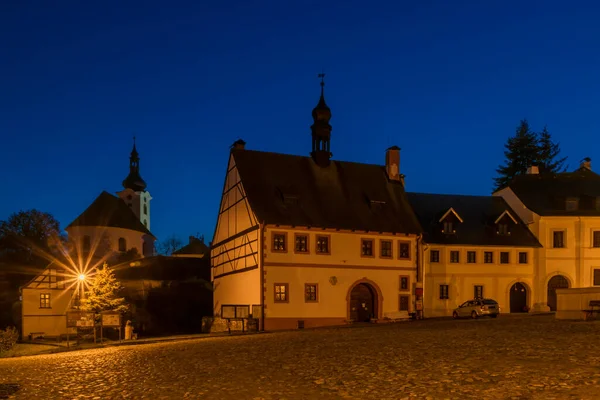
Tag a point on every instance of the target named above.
point(145, 209)
point(145, 223)
point(122, 244)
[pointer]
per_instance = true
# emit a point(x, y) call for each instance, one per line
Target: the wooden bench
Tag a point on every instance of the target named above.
point(594, 308)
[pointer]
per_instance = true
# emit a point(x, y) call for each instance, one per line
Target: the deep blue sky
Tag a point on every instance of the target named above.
point(447, 81)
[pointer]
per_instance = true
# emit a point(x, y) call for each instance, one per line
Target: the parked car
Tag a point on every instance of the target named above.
point(477, 308)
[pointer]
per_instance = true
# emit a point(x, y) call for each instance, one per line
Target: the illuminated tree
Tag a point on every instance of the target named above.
point(104, 293)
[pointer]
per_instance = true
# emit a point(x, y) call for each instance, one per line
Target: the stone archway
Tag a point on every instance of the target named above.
point(364, 301)
point(556, 282)
point(518, 298)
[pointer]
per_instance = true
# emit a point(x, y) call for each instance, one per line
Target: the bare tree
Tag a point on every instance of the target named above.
point(169, 245)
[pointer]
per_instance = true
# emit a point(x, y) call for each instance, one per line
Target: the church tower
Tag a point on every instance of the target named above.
point(321, 130)
point(135, 194)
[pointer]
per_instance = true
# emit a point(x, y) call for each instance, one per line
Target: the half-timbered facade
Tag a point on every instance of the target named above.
point(309, 241)
point(474, 247)
point(45, 301)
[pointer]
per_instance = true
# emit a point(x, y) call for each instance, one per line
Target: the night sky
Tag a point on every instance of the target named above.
point(447, 81)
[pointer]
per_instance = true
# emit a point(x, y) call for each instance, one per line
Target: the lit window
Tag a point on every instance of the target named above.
point(367, 248)
point(596, 277)
point(45, 300)
point(281, 293)
point(310, 292)
point(323, 244)
point(434, 256)
point(504, 257)
point(301, 245)
point(478, 292)
point(278, 242)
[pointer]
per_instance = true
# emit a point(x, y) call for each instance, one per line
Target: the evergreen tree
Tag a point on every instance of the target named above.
point(528, 148)
point(548, 153)
point(103, 294)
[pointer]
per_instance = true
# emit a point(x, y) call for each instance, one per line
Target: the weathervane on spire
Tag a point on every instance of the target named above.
point(322, 76)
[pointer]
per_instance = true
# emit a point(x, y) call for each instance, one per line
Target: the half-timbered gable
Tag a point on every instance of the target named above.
point(309, 241)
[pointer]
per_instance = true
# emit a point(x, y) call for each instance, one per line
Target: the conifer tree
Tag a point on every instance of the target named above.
point(525, 149)
point(103, 294)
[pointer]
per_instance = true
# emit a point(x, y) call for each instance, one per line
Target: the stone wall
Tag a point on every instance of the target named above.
point(571, 302)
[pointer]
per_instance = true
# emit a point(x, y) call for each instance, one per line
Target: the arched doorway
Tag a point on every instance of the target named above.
point(518, 298)
point(557, 282)
point(363, 303)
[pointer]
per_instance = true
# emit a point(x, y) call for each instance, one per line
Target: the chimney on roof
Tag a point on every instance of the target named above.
point(586, 163)
point(392, 164)
point(238, 145)
point(533, 170)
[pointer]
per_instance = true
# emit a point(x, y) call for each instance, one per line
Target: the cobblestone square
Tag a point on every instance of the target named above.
point(524, 357)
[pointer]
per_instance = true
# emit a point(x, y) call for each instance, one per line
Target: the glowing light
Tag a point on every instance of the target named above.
point(81, 277)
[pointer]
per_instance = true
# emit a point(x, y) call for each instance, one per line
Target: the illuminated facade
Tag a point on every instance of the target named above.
point(312, 241)
point(476, 247)
point(563, 212)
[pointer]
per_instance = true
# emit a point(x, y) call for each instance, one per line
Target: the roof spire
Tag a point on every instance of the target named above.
point(321, 130)
point(134, 180)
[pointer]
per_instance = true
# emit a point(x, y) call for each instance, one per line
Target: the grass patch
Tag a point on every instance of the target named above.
point(26, 349)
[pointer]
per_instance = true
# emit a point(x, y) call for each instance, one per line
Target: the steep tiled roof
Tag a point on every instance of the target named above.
point(110, 211)
point(547, 194)
point(292, 190)
point(478, 214)
point(195, 246)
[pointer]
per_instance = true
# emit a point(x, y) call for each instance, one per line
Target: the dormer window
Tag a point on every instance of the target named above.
point(502, 229)
point(504, 222)
point(572, 204)
point(449, 221)
point(449, 227)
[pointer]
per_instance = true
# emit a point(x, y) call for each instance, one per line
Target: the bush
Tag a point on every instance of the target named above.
point(8, 338)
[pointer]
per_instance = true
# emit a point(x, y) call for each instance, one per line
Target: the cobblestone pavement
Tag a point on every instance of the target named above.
point(530, 357)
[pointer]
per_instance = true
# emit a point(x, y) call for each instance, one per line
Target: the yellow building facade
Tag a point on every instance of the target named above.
point(475, 247)
point(308, 241)
point(563, 212)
